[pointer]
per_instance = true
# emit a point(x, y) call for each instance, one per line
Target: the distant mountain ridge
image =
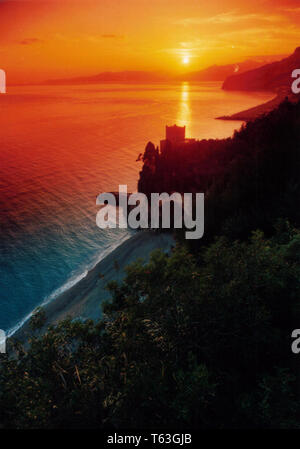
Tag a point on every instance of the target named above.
point(126, 76)
point(221, 72)
point(275, 76)
point(212, 73)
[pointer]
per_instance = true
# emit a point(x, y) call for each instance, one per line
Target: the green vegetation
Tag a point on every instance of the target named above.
point(198, 338)
point(249, 180)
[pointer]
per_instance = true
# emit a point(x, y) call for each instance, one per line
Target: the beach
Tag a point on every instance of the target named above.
point(265, 108)
point(84, 299)
point(256, 111)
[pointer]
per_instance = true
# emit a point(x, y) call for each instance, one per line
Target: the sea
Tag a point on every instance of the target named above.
point(60, 147)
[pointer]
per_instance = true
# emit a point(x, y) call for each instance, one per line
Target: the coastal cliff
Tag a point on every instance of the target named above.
point(269, 77)
point(274, 77)
point(216, 166)
point(185, 333)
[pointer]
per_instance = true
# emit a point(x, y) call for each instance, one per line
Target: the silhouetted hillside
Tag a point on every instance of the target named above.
point(196, 339)
point(272, 77)
point(212, 73)
point(221, 72)
point(249, 180)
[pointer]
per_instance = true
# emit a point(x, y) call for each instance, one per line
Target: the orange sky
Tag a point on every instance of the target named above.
point(43, 39)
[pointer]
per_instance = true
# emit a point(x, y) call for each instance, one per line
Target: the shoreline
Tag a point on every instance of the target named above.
point(264, 108)
point(70, 283)
point(256, 111)
point(83, 300)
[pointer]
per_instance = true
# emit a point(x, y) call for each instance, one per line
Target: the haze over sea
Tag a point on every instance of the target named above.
point(60, 146)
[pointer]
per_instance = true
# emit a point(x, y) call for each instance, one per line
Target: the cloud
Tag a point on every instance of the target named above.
point(296, 10)
point(229, 18)
point(30, 41)
point(112, 36)
point(247, 39)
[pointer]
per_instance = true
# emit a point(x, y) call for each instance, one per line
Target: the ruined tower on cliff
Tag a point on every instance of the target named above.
point(174, 134)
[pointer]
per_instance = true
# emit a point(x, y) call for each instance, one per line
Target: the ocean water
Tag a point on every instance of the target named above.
point(60, 146)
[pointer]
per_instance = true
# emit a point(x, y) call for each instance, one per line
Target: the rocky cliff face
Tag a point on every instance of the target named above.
point(273, 77)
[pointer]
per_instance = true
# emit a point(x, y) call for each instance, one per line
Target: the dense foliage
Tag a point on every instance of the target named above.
point(249, 180)
point(197, 338)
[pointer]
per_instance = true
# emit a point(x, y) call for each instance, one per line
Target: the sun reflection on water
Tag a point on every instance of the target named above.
point(184, 111)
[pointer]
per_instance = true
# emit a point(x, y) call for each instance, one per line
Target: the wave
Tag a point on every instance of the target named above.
point(69, 283)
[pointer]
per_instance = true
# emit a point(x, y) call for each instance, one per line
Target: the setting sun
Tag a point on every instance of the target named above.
point(185, 60)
